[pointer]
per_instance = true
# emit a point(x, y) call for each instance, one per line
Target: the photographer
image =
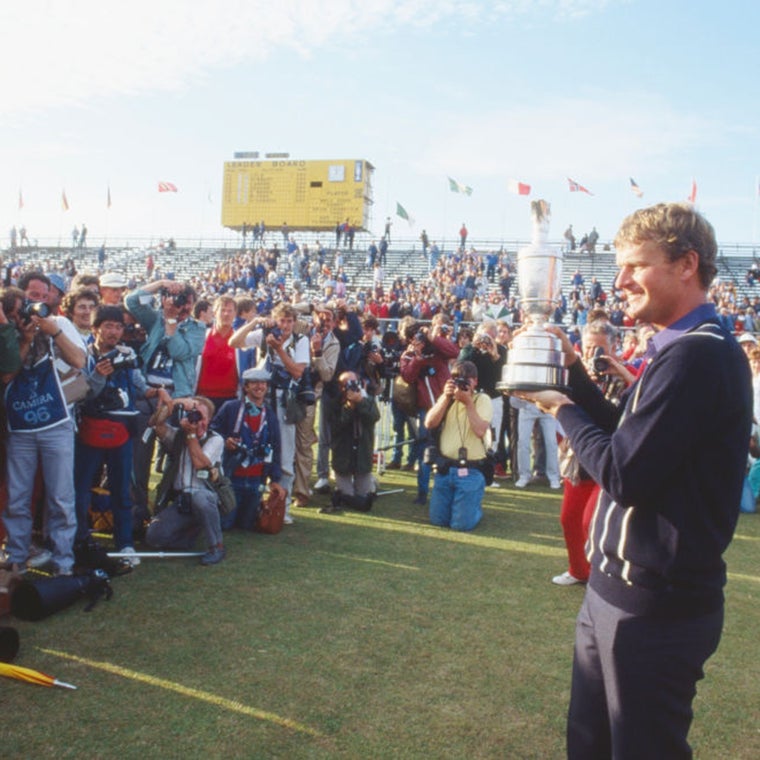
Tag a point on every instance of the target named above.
point(348, 331)
point(286, 356)
point(169, 355)
point(251, 435)
point(580, 491)
point(175, 339)
point(489, 357)
point(464, 418)
point(426, 364)
point(186, 504)
point(107, 427)
point(325, 350)
point(41, 430)
point(352, 417)
point(404, 426)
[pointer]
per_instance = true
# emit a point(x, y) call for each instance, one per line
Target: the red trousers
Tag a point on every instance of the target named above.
point(578, 505)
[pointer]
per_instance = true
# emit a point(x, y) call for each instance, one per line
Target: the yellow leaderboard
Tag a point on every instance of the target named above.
point(304, 195)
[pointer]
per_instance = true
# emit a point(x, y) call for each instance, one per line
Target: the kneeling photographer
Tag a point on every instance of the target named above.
point(352, 416)
point(252, 446)
point(186, 502)
point(464, 419)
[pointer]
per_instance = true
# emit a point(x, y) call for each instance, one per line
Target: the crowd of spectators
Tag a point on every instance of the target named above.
point(235, 345)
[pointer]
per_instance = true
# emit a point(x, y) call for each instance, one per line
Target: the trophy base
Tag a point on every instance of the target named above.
point(510, 388)
point(535, 363)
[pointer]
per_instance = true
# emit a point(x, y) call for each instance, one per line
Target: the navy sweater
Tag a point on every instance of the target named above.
point(670, 461)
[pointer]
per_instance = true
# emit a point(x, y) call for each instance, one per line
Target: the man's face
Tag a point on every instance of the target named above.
point(13, 316)
point(81, 314)
point(503, 335)
point(285, 323)
point(325, 321)
point(37, 291)
point(111, 296)
point(650, 283)
point(225, 314)
point(256, 391)
point(108, 335)
point(592, 342)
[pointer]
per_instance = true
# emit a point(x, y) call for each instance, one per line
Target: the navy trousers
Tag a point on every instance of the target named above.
point(634, 679)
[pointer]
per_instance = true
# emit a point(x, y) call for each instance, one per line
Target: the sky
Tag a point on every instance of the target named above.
point(104, 95)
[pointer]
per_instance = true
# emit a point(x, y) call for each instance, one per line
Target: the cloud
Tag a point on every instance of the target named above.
point(597, 138)
point(65, 52)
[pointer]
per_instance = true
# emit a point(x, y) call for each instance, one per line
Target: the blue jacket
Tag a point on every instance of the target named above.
point(224, 423)
point(184, 346)
point(670, 461)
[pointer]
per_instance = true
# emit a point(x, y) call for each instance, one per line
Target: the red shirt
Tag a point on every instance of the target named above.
point(218, 377)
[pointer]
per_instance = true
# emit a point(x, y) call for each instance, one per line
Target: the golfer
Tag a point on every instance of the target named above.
point(670, 461)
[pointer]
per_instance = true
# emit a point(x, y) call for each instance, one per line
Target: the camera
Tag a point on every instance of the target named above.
point(274, 330)
point(259, 453)
point(599, 365)
point(444, 329)
point(391, 350)
point(121, 359)
point(184, 503)
point(427, 347)
point(430, 455)
point(31, 309)
point(193, 416)
point(352, 386)
point(178, 299)
point(462, 383)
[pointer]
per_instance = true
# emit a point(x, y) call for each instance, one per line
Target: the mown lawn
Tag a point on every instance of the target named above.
point(353, 636)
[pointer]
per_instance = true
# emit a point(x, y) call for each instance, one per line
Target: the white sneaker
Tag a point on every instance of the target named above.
point(566, 579)
point(555, 485)
point(494, 485)
point(133, 561)
point(38, 556)
point(322, 486)
point(288, 520)
point(522, 482)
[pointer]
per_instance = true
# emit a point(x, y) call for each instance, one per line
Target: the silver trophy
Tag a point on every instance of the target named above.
point(535, 359)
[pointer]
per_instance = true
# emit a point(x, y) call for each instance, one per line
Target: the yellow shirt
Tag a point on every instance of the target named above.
point(456, 431)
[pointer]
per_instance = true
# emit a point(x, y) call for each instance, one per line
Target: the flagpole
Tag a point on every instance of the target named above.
point(445, 216)
point(108, 212)
point(755, 194)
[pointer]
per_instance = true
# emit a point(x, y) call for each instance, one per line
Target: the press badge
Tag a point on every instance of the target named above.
point(462, 472)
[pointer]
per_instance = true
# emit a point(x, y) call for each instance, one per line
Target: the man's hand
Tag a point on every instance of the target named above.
point(46, 325)
point(104, 367)
point(277, 491)
point(547, 401)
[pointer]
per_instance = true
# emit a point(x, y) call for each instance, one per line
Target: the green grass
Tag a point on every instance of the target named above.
point(354, 636)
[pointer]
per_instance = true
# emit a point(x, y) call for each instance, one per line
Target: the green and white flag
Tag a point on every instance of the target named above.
point(402, 212)
point(455, 187)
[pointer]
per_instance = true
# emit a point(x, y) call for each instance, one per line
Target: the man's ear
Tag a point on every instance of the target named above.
point(689, 264)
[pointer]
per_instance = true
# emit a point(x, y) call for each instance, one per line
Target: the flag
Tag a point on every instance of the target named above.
point(167, 187)
point(518, 188)
point(403, 213)
point(693, 194)
point(20, 200)
point(635, 189)
point(64, 201)
point(576, 188)
point(108, 198)
point(455, 187)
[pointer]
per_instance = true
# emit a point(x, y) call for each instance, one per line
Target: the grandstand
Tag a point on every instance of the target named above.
point(404, 259)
